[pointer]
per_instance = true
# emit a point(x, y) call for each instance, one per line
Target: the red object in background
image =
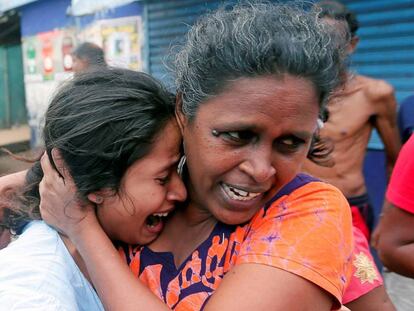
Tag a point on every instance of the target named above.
point(67, 47)
point(359, 222)
point(47, 54)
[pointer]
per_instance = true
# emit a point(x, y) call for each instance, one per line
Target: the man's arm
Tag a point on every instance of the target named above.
point(395, 243)
point(394, 237)
point(382, 95)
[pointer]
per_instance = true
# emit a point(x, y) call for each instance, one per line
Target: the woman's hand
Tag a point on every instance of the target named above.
point(59, 204)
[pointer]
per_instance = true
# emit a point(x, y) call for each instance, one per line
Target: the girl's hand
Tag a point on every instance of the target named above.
point(59, 204)
point(5, 237)
point(9, 184)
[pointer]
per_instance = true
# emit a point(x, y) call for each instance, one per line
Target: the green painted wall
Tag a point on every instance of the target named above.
point(12, 96)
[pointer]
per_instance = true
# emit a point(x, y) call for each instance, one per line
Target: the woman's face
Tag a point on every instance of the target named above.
point(247, 142)
point(149, 190)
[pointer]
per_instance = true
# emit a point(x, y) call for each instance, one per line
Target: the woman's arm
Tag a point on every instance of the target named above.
point(296, 255)
point(262, 287)
point(117, 287)
point(249, 285)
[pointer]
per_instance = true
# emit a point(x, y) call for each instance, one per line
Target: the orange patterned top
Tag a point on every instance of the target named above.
point(305, 229)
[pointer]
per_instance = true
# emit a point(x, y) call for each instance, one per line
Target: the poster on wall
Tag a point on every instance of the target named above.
point(91, 33)
point(120, 38)
point(47, 61)
point(48, 55)
point(122, 42)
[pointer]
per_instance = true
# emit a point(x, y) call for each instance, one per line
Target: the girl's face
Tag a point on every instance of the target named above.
point(247, 142)
point(148, 192)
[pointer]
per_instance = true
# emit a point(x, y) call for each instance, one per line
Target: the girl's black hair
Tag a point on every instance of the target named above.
point(101, 122)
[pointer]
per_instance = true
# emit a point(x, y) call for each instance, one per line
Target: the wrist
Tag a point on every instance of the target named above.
point(83, 227)
point(89, 237)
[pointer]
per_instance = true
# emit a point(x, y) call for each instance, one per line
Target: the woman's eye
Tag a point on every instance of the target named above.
point(234, 135)
point(163, 180)
point(238, 136)
point(290, 143)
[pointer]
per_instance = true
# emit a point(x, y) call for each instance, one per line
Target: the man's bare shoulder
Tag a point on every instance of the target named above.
point(375, 89)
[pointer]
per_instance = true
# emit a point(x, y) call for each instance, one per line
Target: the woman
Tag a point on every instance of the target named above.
point(252, 82)
point(114, 131)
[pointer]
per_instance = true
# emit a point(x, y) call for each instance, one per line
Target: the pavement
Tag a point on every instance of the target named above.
point(400, 289)
point(17, 140)
point(14, 135)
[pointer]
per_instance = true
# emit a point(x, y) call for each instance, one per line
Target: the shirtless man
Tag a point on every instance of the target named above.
point(362, 105)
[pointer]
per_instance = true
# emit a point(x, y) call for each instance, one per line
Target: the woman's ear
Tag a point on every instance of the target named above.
point(95, 197)
point(98, 197)
point(179, 115)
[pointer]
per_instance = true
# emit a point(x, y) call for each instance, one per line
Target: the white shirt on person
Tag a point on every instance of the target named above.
point(38, 273)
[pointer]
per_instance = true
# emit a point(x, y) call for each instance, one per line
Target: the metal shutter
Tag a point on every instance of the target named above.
point(386, 48)
point(166, 23)
point(385, 51)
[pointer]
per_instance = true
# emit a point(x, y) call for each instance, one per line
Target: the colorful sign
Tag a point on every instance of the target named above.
point(48, 55)
point(47, 59)
point(120, 38)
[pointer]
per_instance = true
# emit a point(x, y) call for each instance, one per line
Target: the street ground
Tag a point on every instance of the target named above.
point(17, 141)
point(400, 289)
point(10, 165)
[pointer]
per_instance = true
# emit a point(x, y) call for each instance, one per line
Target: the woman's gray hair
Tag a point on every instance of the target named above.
point(257, 39)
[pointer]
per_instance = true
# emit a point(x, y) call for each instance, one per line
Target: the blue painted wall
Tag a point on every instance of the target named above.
point(386, 48)
point(46, 15)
